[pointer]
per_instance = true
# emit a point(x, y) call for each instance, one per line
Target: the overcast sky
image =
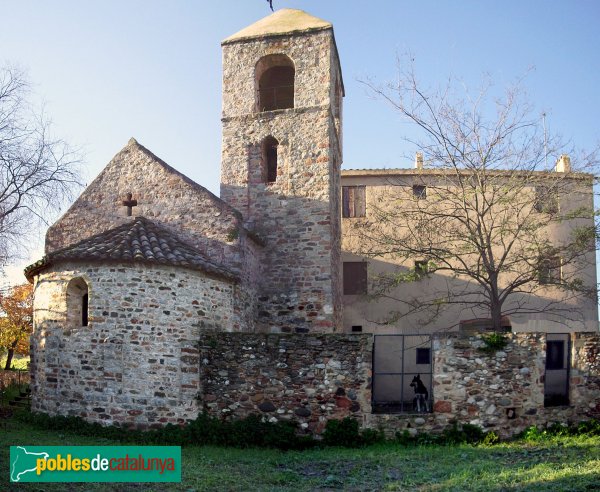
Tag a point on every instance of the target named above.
point(112, 69)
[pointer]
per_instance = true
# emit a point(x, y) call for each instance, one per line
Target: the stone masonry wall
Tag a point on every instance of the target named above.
point(304, 378)
point(312, 378)
point(298, 288)
point(136, 363)
point(502, 391)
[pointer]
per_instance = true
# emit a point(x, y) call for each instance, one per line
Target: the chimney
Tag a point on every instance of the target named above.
point(563, 165)
point(419, 160)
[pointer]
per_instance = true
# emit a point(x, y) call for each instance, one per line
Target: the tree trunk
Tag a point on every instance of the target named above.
point(9, 358)
point(496, 313)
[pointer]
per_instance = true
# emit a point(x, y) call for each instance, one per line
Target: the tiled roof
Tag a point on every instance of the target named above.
point(140, 241)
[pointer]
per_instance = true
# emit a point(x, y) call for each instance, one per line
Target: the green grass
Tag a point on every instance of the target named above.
point(9, 393)
point(19, 362)
point(552, 464)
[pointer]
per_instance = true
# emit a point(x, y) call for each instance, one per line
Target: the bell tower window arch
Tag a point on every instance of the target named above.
point(275, 80)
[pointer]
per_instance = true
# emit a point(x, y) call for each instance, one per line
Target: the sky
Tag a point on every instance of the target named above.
point(114, 69)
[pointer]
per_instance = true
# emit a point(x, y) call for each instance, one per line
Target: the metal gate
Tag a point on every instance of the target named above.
point(556, 381)
point(398, 360)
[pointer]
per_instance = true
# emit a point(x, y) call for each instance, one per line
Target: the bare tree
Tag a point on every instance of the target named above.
point(37, 170)
point(494, 227)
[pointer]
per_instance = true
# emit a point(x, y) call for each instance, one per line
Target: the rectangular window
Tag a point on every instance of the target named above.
point(354, 201)
point(550, 270)
point(357, 329)
point(419, 192)
point(355, 277)
point(546, 200)
point(424, 356)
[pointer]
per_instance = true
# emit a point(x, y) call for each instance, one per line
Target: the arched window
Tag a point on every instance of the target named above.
point(275, 82)
point(270, 159)
point(77, 303)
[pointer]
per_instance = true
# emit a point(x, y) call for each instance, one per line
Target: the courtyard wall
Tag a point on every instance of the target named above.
point(313, 378)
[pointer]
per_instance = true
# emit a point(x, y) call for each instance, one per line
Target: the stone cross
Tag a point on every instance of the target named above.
point(129, 203)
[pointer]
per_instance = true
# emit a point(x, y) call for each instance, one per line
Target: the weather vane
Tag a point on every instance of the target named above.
point(271, 4)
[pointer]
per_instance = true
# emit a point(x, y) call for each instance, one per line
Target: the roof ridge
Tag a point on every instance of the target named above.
point(134, 143)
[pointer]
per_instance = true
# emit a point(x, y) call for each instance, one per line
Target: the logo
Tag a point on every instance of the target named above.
point(95, 464)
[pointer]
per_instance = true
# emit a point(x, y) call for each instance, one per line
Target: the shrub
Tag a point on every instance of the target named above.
point(253, 431)
point(584, 428)
point(346, 433)
point(493, 342)
point(466, 434)
point(490, 439)
point(342, 433)
point(463, 434)
point(372, 436)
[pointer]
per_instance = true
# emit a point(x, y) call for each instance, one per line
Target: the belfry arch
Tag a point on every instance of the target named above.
point(275, 80)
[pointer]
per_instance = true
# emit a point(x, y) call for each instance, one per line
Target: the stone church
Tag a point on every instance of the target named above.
point(147, 265)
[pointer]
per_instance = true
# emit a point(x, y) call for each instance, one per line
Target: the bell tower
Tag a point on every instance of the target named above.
point(281, 159)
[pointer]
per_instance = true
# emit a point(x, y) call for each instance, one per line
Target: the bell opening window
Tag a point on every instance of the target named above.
point(275, 76)
point(270, 145)
point(77, 303)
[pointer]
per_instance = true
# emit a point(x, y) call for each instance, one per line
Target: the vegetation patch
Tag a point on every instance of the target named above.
point(254, 432)
point(552, 463)
point(493, 342)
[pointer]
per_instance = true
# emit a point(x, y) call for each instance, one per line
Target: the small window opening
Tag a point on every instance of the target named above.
point(77, 303)
point(419, 192)
point(357, 329)
point(84, 309)
point(354, 201)
point(270, 159)
point(424, 355)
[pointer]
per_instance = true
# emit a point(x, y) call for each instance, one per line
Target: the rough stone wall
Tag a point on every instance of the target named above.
point(312, 378)
point(293, 215)
point(470, 386)
point(163, 194)
point(305, 378)
point(136, 363)
point(247, 292)
point(585, 373)
point(335, 211)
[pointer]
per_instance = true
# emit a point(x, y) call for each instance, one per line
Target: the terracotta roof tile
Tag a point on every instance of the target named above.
point(140, 241)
